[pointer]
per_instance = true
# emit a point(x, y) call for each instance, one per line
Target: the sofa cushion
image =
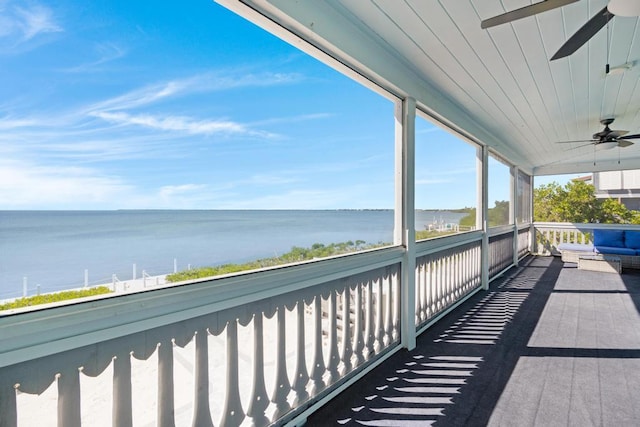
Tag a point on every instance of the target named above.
point(610, 238)
point(614, 250)
point(632, 239)
point(576, 247)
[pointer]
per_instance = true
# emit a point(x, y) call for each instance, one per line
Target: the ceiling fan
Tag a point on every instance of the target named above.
point(588, 30)
point(608, 138)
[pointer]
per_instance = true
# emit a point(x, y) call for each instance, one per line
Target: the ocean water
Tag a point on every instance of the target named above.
point(52, 249)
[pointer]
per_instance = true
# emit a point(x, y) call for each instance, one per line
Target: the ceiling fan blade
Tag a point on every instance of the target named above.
point(524, 12)
point(591, 141)
point(580, 146)
point(634, 136)
point(585, 33)
point(618, 133)
point(624, 143)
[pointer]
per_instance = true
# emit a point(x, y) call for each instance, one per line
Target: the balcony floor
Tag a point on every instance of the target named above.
point(547, 345)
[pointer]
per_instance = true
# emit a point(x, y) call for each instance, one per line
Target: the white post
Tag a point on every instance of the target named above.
point(404, 229)
point(532, 229)
point(86, 277)
point(513, 211)
point(482, 222)
point(24, 286)
point(134, 271)
point(113, 282)
point(188, 266)
point(175, 265)
point(144, 279)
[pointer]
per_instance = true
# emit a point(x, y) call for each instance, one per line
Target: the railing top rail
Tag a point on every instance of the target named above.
point(501, 229)
point(585, 226)
point(29, 335)
point(430, 246)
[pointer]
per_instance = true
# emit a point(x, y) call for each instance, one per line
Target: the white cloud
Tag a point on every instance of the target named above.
point(24, 185)
point(181, 124)
point(293, 119)
point(9, 124)
point(36, 20)
point(106, 52)
point(292, 199)
point(20, 24)
point(432, 181)
point(200, 83)
point(168, 191)
point(443, 177)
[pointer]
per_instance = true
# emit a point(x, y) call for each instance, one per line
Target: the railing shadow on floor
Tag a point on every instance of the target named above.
point(460, 367)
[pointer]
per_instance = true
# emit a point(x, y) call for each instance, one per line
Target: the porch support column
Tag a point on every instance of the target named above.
point(513, 211)
point(532, 229)
point(404, 227)
point(482, 222)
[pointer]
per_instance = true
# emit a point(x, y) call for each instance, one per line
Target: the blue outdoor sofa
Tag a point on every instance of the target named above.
point(622, 243)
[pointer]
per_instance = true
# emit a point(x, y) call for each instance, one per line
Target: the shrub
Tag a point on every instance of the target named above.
point(296, 254)
point(54, 297)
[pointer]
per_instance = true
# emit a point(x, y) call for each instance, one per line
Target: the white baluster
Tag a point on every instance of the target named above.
point(334, 354)
point(357, 328)
point(449, 278)
point(379, 316)
point(301, 376)
point(69, 398)
point(318, 361)
point(396, 320)
point(388, 315)
point(430, 288)
point(259, 397)
point(122, 405)
point(439, 283)
point(201, 411)
point(369, 327)
point(347, 348)
point(166, 409)
point(232, 414)
point(282, 381)
point(422, 292)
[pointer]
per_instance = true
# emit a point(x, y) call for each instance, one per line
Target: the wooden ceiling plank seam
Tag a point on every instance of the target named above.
point(535, 132)
point(629, 89)
point(614, 82)
point(516, 158)
point(537, 100)
point(486, 91)
point(438, 64)
point(469, 98)
point(549, 90)
point(476, 45)
point(570, 24)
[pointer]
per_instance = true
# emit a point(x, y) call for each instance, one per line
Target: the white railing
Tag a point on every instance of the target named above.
point(308, 356)
point(500, 249)
point(257, 348)
point(446, 273)
point(551, 234)
point(524, 240)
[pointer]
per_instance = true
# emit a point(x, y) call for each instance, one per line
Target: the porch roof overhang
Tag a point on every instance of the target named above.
point(494, 86)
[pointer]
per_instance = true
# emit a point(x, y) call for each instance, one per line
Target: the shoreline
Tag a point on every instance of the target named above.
point(116, 287)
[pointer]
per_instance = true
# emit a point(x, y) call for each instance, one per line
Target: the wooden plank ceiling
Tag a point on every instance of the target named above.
point(497, 85)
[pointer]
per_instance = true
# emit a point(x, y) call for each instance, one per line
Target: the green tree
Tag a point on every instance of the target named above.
point(576, 202)
point(497, 215)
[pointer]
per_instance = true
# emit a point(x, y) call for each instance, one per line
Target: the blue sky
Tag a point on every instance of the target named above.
point(128, 105)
